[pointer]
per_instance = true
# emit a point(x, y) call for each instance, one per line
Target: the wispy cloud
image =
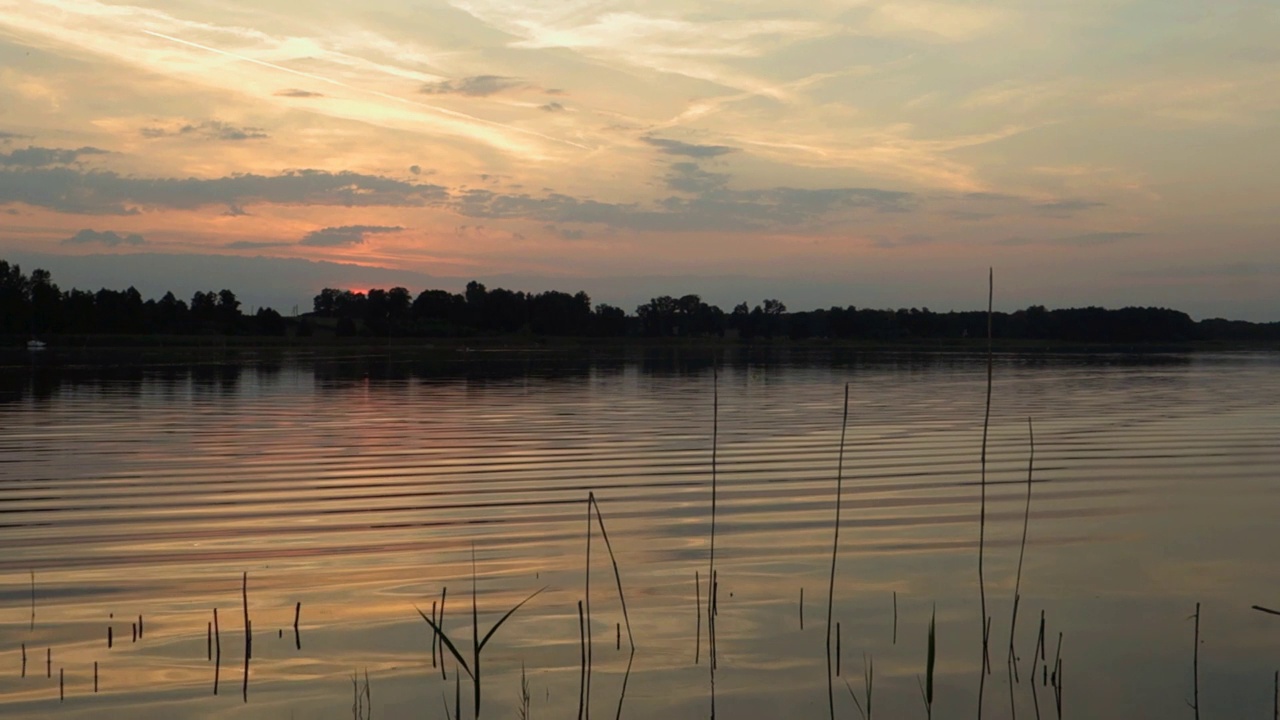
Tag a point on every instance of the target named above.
point(345, 235)
point(1082, 240)
point(296, 93)
point(706, 206)
point(677, 147)
point(255, 244)
point(1068, 208)
point(107, 237)
point(908, 240)
point(474, 86)
point(208, 130)
point(552, 107)
point(109, 193)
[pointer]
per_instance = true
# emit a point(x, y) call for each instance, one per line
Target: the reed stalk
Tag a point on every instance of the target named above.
point(926, 686)
point(248, 635)
point(982, 511)
point(868, 678)
point(524, 694)
point(835, 549)
point(1022, 551)
point(617, 574)
point(444, 593)
point(1195, 666)
point(582, 679)
point(711, 563)
point(697, 642)
point(587, 596)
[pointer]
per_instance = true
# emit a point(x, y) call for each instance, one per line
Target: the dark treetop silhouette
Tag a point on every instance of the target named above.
point(35, 306)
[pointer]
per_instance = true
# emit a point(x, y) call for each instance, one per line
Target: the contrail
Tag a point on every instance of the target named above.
point(385, 96)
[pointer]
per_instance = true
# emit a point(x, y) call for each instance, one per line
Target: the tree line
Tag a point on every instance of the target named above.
point(34, 305)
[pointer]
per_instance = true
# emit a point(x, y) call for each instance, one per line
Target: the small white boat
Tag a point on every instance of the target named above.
point(35, 345)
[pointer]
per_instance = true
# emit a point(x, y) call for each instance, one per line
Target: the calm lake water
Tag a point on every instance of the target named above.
point(362, 486)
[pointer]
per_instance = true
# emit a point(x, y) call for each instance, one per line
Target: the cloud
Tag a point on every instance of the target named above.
point(688, 177)
point(344, 235)
point(415, 169)
point(903, 241)
point(7, 136)
point(255, 244)
point(208, 130)
point(552, 107)
point(708, 206)
point(474, 86)
point(35, 157)
point(108, 238)
point(1084, 240)
point(1236, 270)
point(109, 193)
point(566, 233)
point(676, 147)
point(296, 93)
point(1067, 208)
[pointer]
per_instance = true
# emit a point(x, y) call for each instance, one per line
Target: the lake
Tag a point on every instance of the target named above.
point(361, 486)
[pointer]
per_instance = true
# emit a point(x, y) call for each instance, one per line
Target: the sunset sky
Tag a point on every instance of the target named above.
point(868, 152)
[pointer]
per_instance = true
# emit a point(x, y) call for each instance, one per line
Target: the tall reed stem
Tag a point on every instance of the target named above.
point(982, 511)
point(835, 548)
point(711, 572)
point(1022, 551)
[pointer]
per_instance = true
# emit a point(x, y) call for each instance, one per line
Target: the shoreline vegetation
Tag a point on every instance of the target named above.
point(479, 319)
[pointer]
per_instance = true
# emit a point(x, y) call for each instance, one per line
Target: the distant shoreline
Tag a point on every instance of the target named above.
point(58, 344)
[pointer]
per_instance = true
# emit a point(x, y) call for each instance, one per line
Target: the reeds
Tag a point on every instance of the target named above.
point(217, 658)
point(868, 679)
point(435, 634)
point(982, 508)
point(697, 642)
point(248, 635)
point(587, 599)
point(1195, 666)
point(711, 563)
point(835, 548)
point(592, 503)
point(926, 685)
point(473, 668)
point(582, 678)
point(1022, 551)
point(524, 694)
point(361, 697)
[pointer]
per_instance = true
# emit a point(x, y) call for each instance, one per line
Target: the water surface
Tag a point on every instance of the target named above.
point(362, 485)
